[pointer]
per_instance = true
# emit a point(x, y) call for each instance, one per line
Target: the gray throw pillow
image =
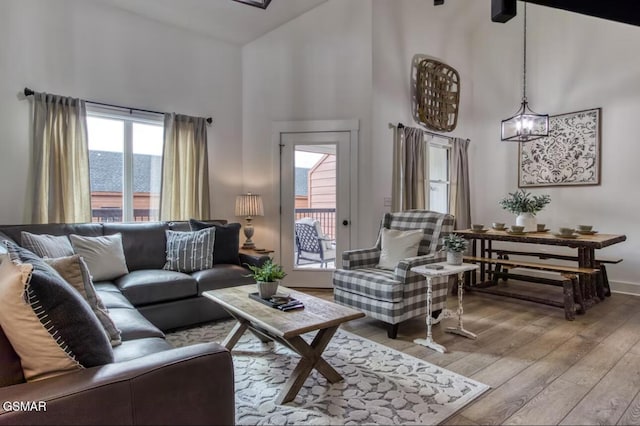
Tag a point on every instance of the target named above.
point(190, 251)
point(103, 255)
point(75, 271)
point(45, 245)
point(226, 249)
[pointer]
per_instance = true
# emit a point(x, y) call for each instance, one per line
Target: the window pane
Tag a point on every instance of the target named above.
point(147, 170)
point(106, 145)
point(438, 197)
point(438, 164)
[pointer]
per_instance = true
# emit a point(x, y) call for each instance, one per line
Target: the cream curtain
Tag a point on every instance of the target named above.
point(459, 194)
point(60, 172)
point(409, 170)
point(185, 170)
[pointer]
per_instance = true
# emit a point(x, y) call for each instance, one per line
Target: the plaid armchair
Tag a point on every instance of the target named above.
point(398, 295)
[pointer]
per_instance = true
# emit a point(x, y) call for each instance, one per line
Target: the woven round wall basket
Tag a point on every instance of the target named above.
point(438, 95)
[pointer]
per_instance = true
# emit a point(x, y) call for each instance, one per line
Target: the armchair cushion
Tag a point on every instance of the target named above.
point(398, 245)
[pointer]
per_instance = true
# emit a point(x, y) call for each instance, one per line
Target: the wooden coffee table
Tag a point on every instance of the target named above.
point(286, 327)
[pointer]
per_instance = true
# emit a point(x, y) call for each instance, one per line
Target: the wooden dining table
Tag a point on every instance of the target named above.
point(586, 245)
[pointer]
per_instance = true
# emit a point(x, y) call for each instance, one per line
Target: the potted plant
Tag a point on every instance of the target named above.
point(455, 245)
point(267, 277)
point(525, 205)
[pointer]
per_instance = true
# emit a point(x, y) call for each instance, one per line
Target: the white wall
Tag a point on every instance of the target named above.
point(88, 50)
point(402, 29)
point(575, 62)
point(316, 67)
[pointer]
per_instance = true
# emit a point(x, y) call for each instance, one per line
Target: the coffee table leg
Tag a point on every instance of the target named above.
point(311, 358)
point(234, 335)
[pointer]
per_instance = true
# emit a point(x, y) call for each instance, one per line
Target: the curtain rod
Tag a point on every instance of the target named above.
point(29, 92)
point(400, 126)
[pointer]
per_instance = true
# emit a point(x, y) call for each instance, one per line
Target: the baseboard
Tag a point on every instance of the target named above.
point(621, 287)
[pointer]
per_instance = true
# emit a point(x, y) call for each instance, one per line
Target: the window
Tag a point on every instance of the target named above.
point(439, 150)
point(125, 164)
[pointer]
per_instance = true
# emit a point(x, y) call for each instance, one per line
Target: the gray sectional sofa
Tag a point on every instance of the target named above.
point(149, 382)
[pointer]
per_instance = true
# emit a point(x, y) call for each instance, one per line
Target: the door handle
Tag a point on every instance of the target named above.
point(345, 222)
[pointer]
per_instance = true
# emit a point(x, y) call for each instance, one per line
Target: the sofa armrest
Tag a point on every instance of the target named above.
point(189, 385)
point(403, 269)
point(361, 258)
point(253, 260)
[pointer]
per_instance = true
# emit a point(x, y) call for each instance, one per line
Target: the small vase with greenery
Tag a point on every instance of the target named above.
point(267, 277)
point(455, 245)
point(525, 205)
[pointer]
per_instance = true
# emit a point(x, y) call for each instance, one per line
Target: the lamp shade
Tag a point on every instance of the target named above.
point(249, 205)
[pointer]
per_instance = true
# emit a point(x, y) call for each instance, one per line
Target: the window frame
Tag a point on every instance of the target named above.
point(442, 142)
point(128, 117)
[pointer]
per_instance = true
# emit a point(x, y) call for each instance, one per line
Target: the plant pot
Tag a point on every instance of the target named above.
point(454, 257)
point(267, 289)
point(528, 220)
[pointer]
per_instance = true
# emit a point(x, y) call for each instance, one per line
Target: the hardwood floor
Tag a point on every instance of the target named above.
point(542, 368)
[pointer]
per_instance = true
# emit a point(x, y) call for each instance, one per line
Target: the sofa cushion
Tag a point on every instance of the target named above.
point(221, 276)
point(226, 247)
point(133, 325)
point(156, 285)
point(74, 270)
point(144, 244)
point(114, 299)
point(11, 370)
point(49, 325)
point(190, 251)
point(45, 245)
point(104, 255)
point(132, 349)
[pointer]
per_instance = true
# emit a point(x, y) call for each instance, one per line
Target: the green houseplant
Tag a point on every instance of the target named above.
point(455, 245)
point(525, 205)
point(267, 277)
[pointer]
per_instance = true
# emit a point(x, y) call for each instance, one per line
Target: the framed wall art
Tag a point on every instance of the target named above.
point(570, 155)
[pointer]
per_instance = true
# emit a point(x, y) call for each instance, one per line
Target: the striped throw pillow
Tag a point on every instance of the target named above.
point(190, 251)
point(45, 245)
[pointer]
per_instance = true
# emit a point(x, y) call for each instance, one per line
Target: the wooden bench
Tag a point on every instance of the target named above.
point(576, 298)
point(603, 287)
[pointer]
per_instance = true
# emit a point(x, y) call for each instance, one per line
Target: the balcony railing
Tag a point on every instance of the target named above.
point(114, 214)
point(327, 218)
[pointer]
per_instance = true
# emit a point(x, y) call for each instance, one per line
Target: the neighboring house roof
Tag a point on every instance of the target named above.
point(302, 185)
point(106, 172)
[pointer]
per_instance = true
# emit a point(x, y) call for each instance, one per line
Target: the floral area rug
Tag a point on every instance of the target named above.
point(380, 386)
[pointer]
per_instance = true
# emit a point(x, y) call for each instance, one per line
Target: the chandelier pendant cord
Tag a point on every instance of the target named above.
point(524, 70)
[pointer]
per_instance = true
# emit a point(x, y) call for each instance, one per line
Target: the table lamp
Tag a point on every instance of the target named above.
point(249, 205)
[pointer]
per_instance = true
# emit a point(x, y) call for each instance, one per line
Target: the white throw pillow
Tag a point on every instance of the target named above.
point(103, 255)
point(398, 245)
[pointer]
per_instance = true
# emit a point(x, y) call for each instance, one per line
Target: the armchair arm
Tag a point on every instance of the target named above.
point(361, 258)
point(403, 269)
point(189, 385)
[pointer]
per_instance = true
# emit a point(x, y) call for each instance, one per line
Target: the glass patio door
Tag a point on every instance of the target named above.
point(315, 201)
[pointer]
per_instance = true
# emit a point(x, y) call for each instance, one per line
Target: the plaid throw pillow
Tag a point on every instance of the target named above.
point(190, 251)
